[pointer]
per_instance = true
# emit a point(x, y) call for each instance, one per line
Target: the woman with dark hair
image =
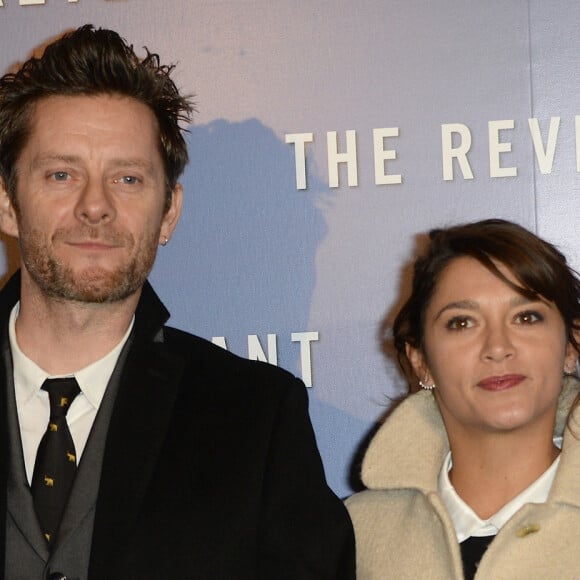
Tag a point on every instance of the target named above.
point(478, 474)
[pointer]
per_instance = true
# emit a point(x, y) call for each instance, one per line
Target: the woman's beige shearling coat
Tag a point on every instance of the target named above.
point(403, 529)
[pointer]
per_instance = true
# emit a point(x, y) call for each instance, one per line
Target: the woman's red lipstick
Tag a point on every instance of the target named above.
point(500, 382)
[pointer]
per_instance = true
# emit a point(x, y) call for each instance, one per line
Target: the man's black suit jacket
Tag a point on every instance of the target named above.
point(211, 469)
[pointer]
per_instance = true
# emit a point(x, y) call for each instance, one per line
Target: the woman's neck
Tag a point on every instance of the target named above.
point(489, 471)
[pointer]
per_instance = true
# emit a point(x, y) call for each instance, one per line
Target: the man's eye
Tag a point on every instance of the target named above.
point(60, 175)
point(127, 180)
point(459, 323)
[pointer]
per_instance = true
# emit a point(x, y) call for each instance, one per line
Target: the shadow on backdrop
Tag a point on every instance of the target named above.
point(242, 260)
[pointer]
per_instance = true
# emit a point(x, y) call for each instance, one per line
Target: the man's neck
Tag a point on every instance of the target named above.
point(64, 336)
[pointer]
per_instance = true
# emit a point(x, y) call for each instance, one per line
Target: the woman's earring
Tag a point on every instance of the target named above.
point(570, 371)
point(425, 386)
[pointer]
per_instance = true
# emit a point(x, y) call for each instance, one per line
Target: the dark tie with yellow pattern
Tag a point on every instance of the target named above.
point(55, 466)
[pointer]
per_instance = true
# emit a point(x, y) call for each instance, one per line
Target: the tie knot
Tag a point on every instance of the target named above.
point(61, 393)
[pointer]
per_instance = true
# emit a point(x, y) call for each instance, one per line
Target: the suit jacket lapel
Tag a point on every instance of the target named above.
point(142, 413)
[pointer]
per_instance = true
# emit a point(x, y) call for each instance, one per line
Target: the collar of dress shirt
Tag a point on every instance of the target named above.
point(467, 523)
point(92, 380)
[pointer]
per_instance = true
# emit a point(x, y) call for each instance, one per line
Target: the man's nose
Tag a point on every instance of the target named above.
point(95, 204)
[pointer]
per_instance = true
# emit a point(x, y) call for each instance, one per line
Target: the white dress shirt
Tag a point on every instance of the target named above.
point(33, 404)
point(467, 523)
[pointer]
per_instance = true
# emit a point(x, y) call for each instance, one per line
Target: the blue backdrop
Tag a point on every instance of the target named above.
point(306, 277)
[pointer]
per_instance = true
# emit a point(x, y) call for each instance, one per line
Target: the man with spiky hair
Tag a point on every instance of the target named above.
point(128, 449)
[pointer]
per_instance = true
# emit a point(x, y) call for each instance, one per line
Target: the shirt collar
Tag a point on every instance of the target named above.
point(467, 523)
point(29, 377)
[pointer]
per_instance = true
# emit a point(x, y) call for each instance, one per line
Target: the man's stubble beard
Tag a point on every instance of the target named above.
point(92, 284)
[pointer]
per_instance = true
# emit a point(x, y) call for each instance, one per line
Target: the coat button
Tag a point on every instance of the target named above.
point(57, 576)
point(527, 530)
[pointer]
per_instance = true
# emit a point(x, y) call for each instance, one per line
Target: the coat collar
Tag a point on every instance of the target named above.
point(408, 450)
point(150, 315)
point(565, 487)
